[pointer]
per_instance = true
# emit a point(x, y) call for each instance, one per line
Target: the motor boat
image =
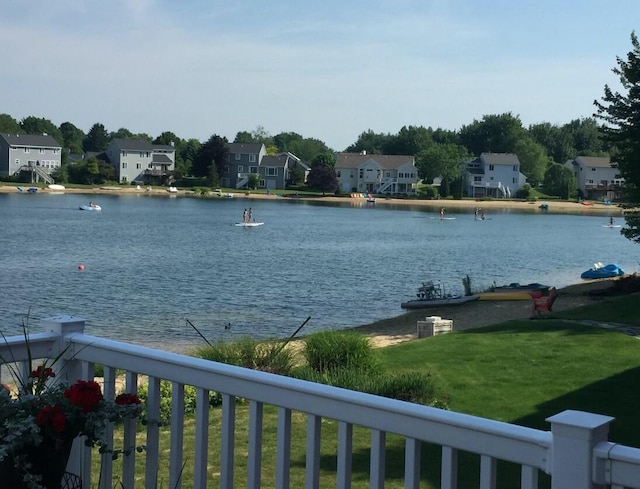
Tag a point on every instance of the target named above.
point(600, 270)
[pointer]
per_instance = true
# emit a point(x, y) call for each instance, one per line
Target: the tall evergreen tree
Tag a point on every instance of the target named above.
point(620, 112)
point(97, 139)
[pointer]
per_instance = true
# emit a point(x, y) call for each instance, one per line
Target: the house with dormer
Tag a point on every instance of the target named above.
point(597, 176)
point(37, 155)
point(139, 161)
point(493, 175)
point(376, 174)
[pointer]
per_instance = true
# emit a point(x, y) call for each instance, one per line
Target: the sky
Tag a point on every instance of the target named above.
point(328, 70)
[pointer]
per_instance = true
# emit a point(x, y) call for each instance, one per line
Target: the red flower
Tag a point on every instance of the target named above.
point(127, 399)
point(52, 416)
point(42, 372)
point(86, 394)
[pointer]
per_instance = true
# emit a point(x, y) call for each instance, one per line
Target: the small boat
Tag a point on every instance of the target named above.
point(248, 224)
point(33, 190)
point(431, 295)
point(452, 300)
point(94, 207)
point(544, 207)
point(600, 270)
point(55, 186)
point(172, 190)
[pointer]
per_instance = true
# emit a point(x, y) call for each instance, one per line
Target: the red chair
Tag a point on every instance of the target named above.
point(544, 303)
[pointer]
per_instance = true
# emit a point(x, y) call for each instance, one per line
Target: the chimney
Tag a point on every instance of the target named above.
point(363, 152)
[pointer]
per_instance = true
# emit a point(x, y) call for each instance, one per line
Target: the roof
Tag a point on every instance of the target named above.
point(594, 161)
point(499, 159)
point(161, 159)
point(139, 145)
point(278, 160)
point(37, 140)
point(244, 148)
point(354, 160)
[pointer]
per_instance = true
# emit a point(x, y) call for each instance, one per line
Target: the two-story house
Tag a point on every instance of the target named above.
point(35, 154)
point(598, 178)
point(139, 161)
point(378, 174)
point(245, 159)
point(493, 175)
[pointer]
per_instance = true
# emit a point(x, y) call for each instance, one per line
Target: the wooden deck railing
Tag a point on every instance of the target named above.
point(575, 452)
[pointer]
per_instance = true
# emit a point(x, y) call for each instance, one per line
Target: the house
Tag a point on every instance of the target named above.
point(378, 174)
point(38, 155)
point(141, 162)
point(493, 175)
point(245, 159)
point(597, 176)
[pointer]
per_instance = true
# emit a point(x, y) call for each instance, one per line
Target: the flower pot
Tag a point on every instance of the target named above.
point(49, 460)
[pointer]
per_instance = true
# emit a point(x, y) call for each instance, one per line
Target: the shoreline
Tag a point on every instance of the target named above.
point(555, 207)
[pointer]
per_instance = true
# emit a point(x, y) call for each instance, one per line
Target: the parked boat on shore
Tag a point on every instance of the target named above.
point(432, 295)
point(599, 270)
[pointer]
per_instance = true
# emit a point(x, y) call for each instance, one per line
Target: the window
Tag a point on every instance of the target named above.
point(138, 166)
point(26, 150)
point(477, 179)
point(361, 175)
point(490, 178)
point(17, 161)
point(593, 169)
point(240, 168)
point(272, 172)
point(225, 169)
point(252, 158)
point(590, 181)
point(261, 183)
point(123, 153)
point(253, 169)
point(388, 174)
point(42, 151)
point(491, 167)
point(515, 168)
point(515, 180)
point(339, 174)
point(124, 165)
point(149, 166)
point(238, 156)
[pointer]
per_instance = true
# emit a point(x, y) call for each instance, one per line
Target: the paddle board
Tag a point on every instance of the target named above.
point(611, 226)
point(248, 224)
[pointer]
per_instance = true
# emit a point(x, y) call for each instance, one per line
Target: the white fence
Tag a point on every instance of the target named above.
point(575, 452)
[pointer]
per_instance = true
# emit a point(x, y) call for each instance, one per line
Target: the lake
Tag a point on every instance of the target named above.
point(151, 263)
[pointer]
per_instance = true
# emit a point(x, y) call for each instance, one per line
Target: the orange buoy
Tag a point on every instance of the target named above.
point(81, 267)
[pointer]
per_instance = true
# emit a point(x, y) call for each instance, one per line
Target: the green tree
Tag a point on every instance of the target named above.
point(555, 140)
point(410, 140)
point(254, 181)
point(533, 159)
point(441, 160)
point(8, 125)
point(324, 159)
point(620, 112)
point(212, 153)
point(371, 142)
point(122, 133)
point(187, 150)
point(559, 180)
point(97, 139)
point(71, 137)
point(493, 134)
point(38, 125)
point(322, 179)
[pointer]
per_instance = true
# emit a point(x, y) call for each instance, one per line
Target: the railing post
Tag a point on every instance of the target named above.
point(575, 434)
point(70, 370)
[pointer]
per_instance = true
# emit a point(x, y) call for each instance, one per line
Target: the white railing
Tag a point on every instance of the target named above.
point(385, 185)
point(575, 452)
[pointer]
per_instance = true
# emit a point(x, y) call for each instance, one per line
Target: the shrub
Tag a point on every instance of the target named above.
point(523, 192)
point(328, 351)
point(429, 192)
point(246, 352)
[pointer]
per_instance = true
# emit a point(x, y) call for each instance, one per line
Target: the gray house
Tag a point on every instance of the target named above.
point(597, 176)
point(246, 159)
point(493, 175)
point(37, 155)
point(141, 162)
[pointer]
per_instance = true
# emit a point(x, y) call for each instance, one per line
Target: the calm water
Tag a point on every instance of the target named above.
point(153, 262)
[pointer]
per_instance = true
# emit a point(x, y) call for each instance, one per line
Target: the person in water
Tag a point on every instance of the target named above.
point(91, 204)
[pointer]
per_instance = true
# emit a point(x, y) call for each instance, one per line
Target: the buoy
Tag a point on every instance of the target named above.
point(80, 267)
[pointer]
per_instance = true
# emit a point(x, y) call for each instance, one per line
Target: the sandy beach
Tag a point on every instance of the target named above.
point(554, 207)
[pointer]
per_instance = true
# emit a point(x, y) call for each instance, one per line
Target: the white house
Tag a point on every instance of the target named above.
point(494, 175)
point(378, 174)
point(598, 178)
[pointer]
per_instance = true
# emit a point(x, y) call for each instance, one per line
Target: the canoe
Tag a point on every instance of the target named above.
point(444, 301)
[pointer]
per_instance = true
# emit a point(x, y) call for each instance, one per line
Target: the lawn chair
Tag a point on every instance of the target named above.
point(544, 303)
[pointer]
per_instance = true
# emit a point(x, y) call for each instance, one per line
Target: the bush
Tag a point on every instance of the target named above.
point(523, 192)
point(248, 353)
point(215, 399)
point(329, 351)
point(429, 192)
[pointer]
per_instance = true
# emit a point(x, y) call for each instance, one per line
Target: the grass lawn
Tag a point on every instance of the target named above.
point(520, 372)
